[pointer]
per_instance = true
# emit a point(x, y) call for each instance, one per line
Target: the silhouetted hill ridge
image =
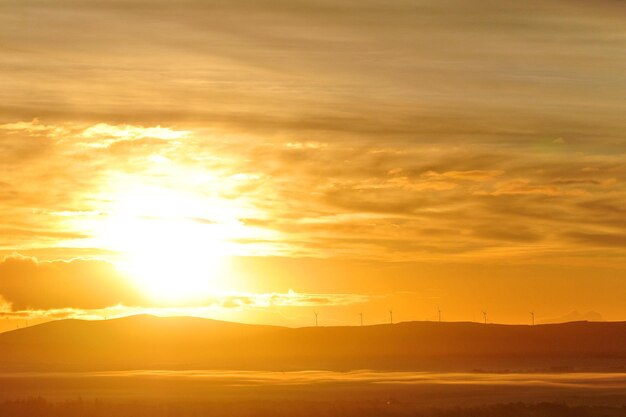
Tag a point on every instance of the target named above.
point(150, 342)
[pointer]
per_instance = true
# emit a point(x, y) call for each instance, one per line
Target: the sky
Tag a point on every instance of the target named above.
point(260, 161)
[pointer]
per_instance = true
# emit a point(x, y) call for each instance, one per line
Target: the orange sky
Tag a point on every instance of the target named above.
point(261, 160)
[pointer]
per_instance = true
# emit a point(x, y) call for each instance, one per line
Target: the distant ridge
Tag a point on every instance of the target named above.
point(149, 342)
point(574, 316)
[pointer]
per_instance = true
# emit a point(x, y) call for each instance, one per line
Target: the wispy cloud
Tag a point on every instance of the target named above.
point(342, 199)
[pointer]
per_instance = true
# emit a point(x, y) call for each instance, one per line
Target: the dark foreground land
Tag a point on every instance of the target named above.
point(312, 393)
point(38, 407)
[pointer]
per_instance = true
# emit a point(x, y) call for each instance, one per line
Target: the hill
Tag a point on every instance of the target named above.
point(148, 342)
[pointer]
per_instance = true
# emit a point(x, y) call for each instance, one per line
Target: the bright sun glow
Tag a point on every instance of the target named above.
point(175, 244)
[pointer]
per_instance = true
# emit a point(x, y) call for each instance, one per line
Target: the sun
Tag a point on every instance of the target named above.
point(174, 260)
point(175, 245)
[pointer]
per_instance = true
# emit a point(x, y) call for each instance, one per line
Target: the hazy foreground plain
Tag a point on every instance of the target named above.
point(421, 388)
point(313, 393)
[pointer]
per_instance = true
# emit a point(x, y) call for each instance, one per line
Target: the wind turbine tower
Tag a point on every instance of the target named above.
point(532, 317)
point(361, 314)
point(485, 316)
point(391, 316)
point(439, 312)
point(315, 312)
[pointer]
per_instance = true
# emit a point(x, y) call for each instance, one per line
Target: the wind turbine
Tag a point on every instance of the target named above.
point(315, 312)
point(485, 316)
point(361, 314)
point(439, 312)
point(391, 316)
point(532, 316)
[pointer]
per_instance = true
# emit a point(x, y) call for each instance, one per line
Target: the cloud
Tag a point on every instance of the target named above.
point(292, 298)
point(346, 198)
point(33, 128)
point(28, 284)
point(323, 129)
point(471, 175)
point(91, 288)
point(105, 135)
point(599, 239)
point(523, 187)
point(372, 70)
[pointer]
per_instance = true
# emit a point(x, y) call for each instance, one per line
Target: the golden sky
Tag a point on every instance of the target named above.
point(261, 160)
